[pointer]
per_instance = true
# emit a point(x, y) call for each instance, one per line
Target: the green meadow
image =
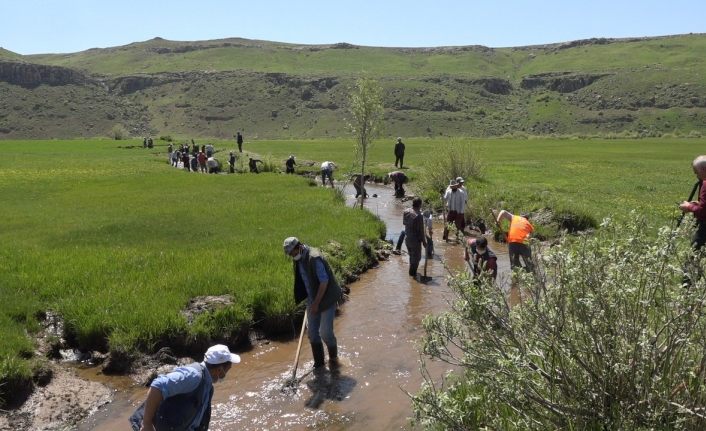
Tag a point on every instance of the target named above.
point(116, 241)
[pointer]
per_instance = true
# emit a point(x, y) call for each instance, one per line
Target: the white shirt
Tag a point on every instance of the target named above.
point(456, 201)
point(328, 166)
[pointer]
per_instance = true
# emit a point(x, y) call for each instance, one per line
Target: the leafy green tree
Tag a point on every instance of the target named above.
point(606, 337)
point(367, 110)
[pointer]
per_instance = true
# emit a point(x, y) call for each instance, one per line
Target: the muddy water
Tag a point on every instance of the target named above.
point(376, 330)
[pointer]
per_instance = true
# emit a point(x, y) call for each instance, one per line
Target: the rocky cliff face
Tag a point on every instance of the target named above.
point(31, 75)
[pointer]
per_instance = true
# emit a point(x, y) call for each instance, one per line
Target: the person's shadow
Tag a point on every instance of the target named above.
point(329, 385)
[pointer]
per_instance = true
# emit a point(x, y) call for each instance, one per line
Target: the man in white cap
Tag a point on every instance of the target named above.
point(182, 399)
point(314, 281)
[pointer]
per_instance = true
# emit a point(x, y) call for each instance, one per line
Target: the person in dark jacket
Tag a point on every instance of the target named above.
point(289, 164)
point(415, 237)
point(231, 162)
point(399, 153)
point(239, 140)
point(182, 399)
point(314, 281)
point(252, 164)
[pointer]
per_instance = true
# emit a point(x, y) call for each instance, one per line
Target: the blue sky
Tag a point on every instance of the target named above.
point(36, 26)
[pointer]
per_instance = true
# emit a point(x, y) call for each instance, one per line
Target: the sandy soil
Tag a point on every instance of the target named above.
point(59, 405)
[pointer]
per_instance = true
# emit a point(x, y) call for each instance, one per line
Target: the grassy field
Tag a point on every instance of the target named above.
point(117, 241)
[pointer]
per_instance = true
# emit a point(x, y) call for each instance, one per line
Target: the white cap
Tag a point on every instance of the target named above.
point(220, 354)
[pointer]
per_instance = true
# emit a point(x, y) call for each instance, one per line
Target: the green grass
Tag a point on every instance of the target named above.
point(117, 242)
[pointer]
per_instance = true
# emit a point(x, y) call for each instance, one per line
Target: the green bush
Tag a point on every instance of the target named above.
point(606, 337)
point(118, 133)
point(453, 158)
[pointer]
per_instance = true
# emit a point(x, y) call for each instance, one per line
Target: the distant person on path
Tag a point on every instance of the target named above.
point(176, 156)
point(455, 200)
point(181, 399)
point(194, 147)
point(413, 222)
point(150, 143)
point(144, 142)
point(213, 166)
point(209, 150)
point(194, 164)
point(327, 172)
point(185, 159)
point(231, 162)
point(518, 240)
point(170, 151)
point(481, 260)
point(399, 153)
point(252, 164)
point(289, 164)
point(202, 161)
point(698, 208)
point(239, 140)
point(314, 281)
point(398, 178)
point(359, 184)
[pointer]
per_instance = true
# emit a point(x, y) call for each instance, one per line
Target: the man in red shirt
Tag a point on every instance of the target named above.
point(699, 207)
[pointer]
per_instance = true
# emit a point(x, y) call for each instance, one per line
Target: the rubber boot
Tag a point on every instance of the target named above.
point(317, 350)
point(333, 363)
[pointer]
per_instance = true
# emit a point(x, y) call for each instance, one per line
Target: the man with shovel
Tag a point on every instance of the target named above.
point(315, 282)
point(415, 237)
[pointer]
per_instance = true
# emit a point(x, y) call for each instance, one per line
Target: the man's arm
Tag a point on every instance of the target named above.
point(154, 399)
point(504, 215)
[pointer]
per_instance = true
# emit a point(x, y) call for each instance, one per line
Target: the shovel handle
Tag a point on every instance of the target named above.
point(299, 346)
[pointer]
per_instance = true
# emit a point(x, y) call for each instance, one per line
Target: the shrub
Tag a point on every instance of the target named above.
point(606, 337)
point(118, 132)
point(452, 159)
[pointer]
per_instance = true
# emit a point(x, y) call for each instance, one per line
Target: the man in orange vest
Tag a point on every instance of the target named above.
point(518, 239)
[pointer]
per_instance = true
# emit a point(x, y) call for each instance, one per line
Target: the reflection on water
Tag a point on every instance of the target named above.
point(376, 330)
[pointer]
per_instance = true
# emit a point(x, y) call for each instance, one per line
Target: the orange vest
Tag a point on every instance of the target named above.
point(520, 228)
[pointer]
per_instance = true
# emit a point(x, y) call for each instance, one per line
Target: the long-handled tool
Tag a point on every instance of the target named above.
point(424, 277)
point(292, 382)
point(691, 196)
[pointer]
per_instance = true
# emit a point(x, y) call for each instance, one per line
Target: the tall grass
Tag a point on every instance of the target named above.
point(117, 241)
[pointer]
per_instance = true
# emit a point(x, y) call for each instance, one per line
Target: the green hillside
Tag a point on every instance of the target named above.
point(627, 87)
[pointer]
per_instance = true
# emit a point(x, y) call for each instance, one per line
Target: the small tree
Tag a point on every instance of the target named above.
point(606, 337)
point(367, 110)
point(118, 132)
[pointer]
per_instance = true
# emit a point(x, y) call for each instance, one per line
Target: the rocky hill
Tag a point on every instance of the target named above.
point(645, 86)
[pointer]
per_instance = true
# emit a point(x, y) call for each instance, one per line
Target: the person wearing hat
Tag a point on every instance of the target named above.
point(289, 164)
point(182, 399)
point(479, 257)
point(455, 200)
point(314, 281)
point(518, 239)
point(461, 185)
point(399, 153)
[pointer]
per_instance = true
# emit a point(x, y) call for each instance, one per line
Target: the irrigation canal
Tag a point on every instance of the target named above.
point(376, 330)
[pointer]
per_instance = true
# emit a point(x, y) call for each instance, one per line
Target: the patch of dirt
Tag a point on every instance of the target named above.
point(63, 402)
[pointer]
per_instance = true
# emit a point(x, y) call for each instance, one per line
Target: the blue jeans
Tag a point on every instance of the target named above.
point(321, 326)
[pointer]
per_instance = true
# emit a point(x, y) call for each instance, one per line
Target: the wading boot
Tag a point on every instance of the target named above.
point(317, 350)
point(333, 363)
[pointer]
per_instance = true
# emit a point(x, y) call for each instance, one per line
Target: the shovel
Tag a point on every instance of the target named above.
point(293, 382)
point(424, 277)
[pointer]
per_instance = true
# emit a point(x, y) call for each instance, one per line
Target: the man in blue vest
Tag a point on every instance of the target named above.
point(182, 399)
point(314, 281)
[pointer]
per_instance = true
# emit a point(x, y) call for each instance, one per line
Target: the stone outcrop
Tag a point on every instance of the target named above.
point(562, 82)
point(31, 75)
